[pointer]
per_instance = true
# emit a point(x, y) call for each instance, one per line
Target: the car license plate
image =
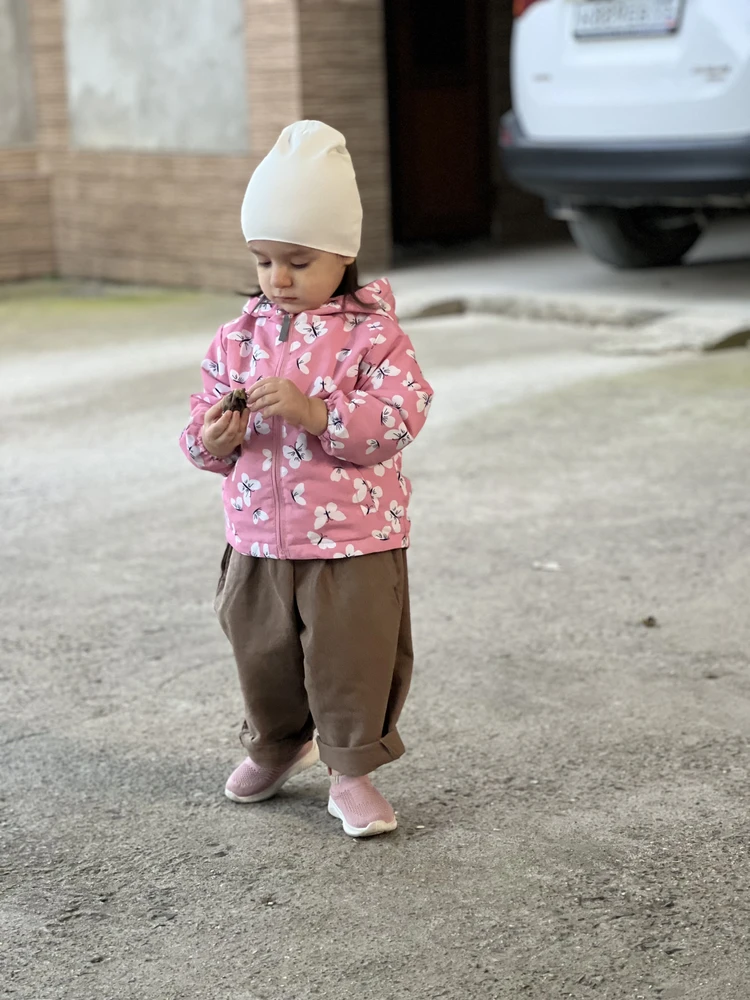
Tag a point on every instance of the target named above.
point(617, 18)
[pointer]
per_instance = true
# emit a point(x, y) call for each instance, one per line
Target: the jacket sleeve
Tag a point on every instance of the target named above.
point(387, 409)
point(214, 370)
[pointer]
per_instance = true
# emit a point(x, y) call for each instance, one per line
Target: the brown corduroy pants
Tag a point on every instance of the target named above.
point(320, 644)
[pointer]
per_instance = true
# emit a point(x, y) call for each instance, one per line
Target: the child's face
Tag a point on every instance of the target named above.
point(297, 279)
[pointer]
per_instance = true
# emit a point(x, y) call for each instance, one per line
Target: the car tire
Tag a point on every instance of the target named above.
point(635, 237)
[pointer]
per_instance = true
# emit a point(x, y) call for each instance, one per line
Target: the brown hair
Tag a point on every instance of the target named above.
point(350, 285)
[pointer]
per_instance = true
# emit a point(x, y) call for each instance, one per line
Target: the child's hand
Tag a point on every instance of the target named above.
point(278, 397)
point(224, 432)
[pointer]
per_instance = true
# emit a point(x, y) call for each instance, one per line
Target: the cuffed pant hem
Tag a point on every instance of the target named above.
point(357, 761)
point(272, 754)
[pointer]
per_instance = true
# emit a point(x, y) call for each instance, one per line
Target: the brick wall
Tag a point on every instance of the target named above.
point(142, 217)
point(343, 82)
point(26, 241)
point(150, 219)
point(26, 248)
point(274, 72)
point(174, 219)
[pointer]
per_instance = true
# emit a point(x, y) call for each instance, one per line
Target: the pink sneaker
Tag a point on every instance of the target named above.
point(251, 783)
point(360, 807)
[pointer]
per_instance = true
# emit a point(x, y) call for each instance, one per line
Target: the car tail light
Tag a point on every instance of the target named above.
point(520, 6)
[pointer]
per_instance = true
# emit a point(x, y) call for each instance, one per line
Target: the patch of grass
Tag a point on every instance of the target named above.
point(60, 294)
point(707, 375)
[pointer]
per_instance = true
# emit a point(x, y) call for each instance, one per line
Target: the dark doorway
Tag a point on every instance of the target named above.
point(439, 130)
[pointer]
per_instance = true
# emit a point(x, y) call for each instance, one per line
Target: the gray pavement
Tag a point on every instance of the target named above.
point(715, 276)
point(573, 806)
point(696, 307)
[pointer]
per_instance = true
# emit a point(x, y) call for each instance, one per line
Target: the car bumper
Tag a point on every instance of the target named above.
point(682, 172)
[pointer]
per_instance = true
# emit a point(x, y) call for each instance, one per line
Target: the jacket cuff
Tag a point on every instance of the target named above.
point(203, 457)
point(335, 434)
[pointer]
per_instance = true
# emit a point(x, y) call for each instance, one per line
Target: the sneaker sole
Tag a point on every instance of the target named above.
point(311, 757)
point(379, 826)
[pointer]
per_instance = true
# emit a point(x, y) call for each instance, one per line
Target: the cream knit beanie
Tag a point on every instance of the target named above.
point(305, 192)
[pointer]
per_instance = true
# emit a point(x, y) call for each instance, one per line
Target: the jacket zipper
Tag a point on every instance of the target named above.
point(277, 486)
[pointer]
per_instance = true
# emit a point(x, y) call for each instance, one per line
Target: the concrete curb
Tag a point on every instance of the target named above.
point(684, 331)
point(650, 331)
point(534, 308)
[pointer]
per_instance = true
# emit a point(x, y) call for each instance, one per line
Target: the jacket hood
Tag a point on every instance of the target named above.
point(377, 297)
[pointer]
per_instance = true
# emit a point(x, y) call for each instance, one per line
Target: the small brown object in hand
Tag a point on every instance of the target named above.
point(236, 400)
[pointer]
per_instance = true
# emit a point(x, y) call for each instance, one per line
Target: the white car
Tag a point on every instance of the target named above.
point(631, 118)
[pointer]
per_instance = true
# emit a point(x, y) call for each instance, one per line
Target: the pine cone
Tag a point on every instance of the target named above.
point(235, 400)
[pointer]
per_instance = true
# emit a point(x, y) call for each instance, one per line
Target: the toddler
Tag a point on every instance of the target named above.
point(313, 593)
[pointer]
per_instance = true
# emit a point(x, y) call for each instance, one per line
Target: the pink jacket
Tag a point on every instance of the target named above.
point(288, 494)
